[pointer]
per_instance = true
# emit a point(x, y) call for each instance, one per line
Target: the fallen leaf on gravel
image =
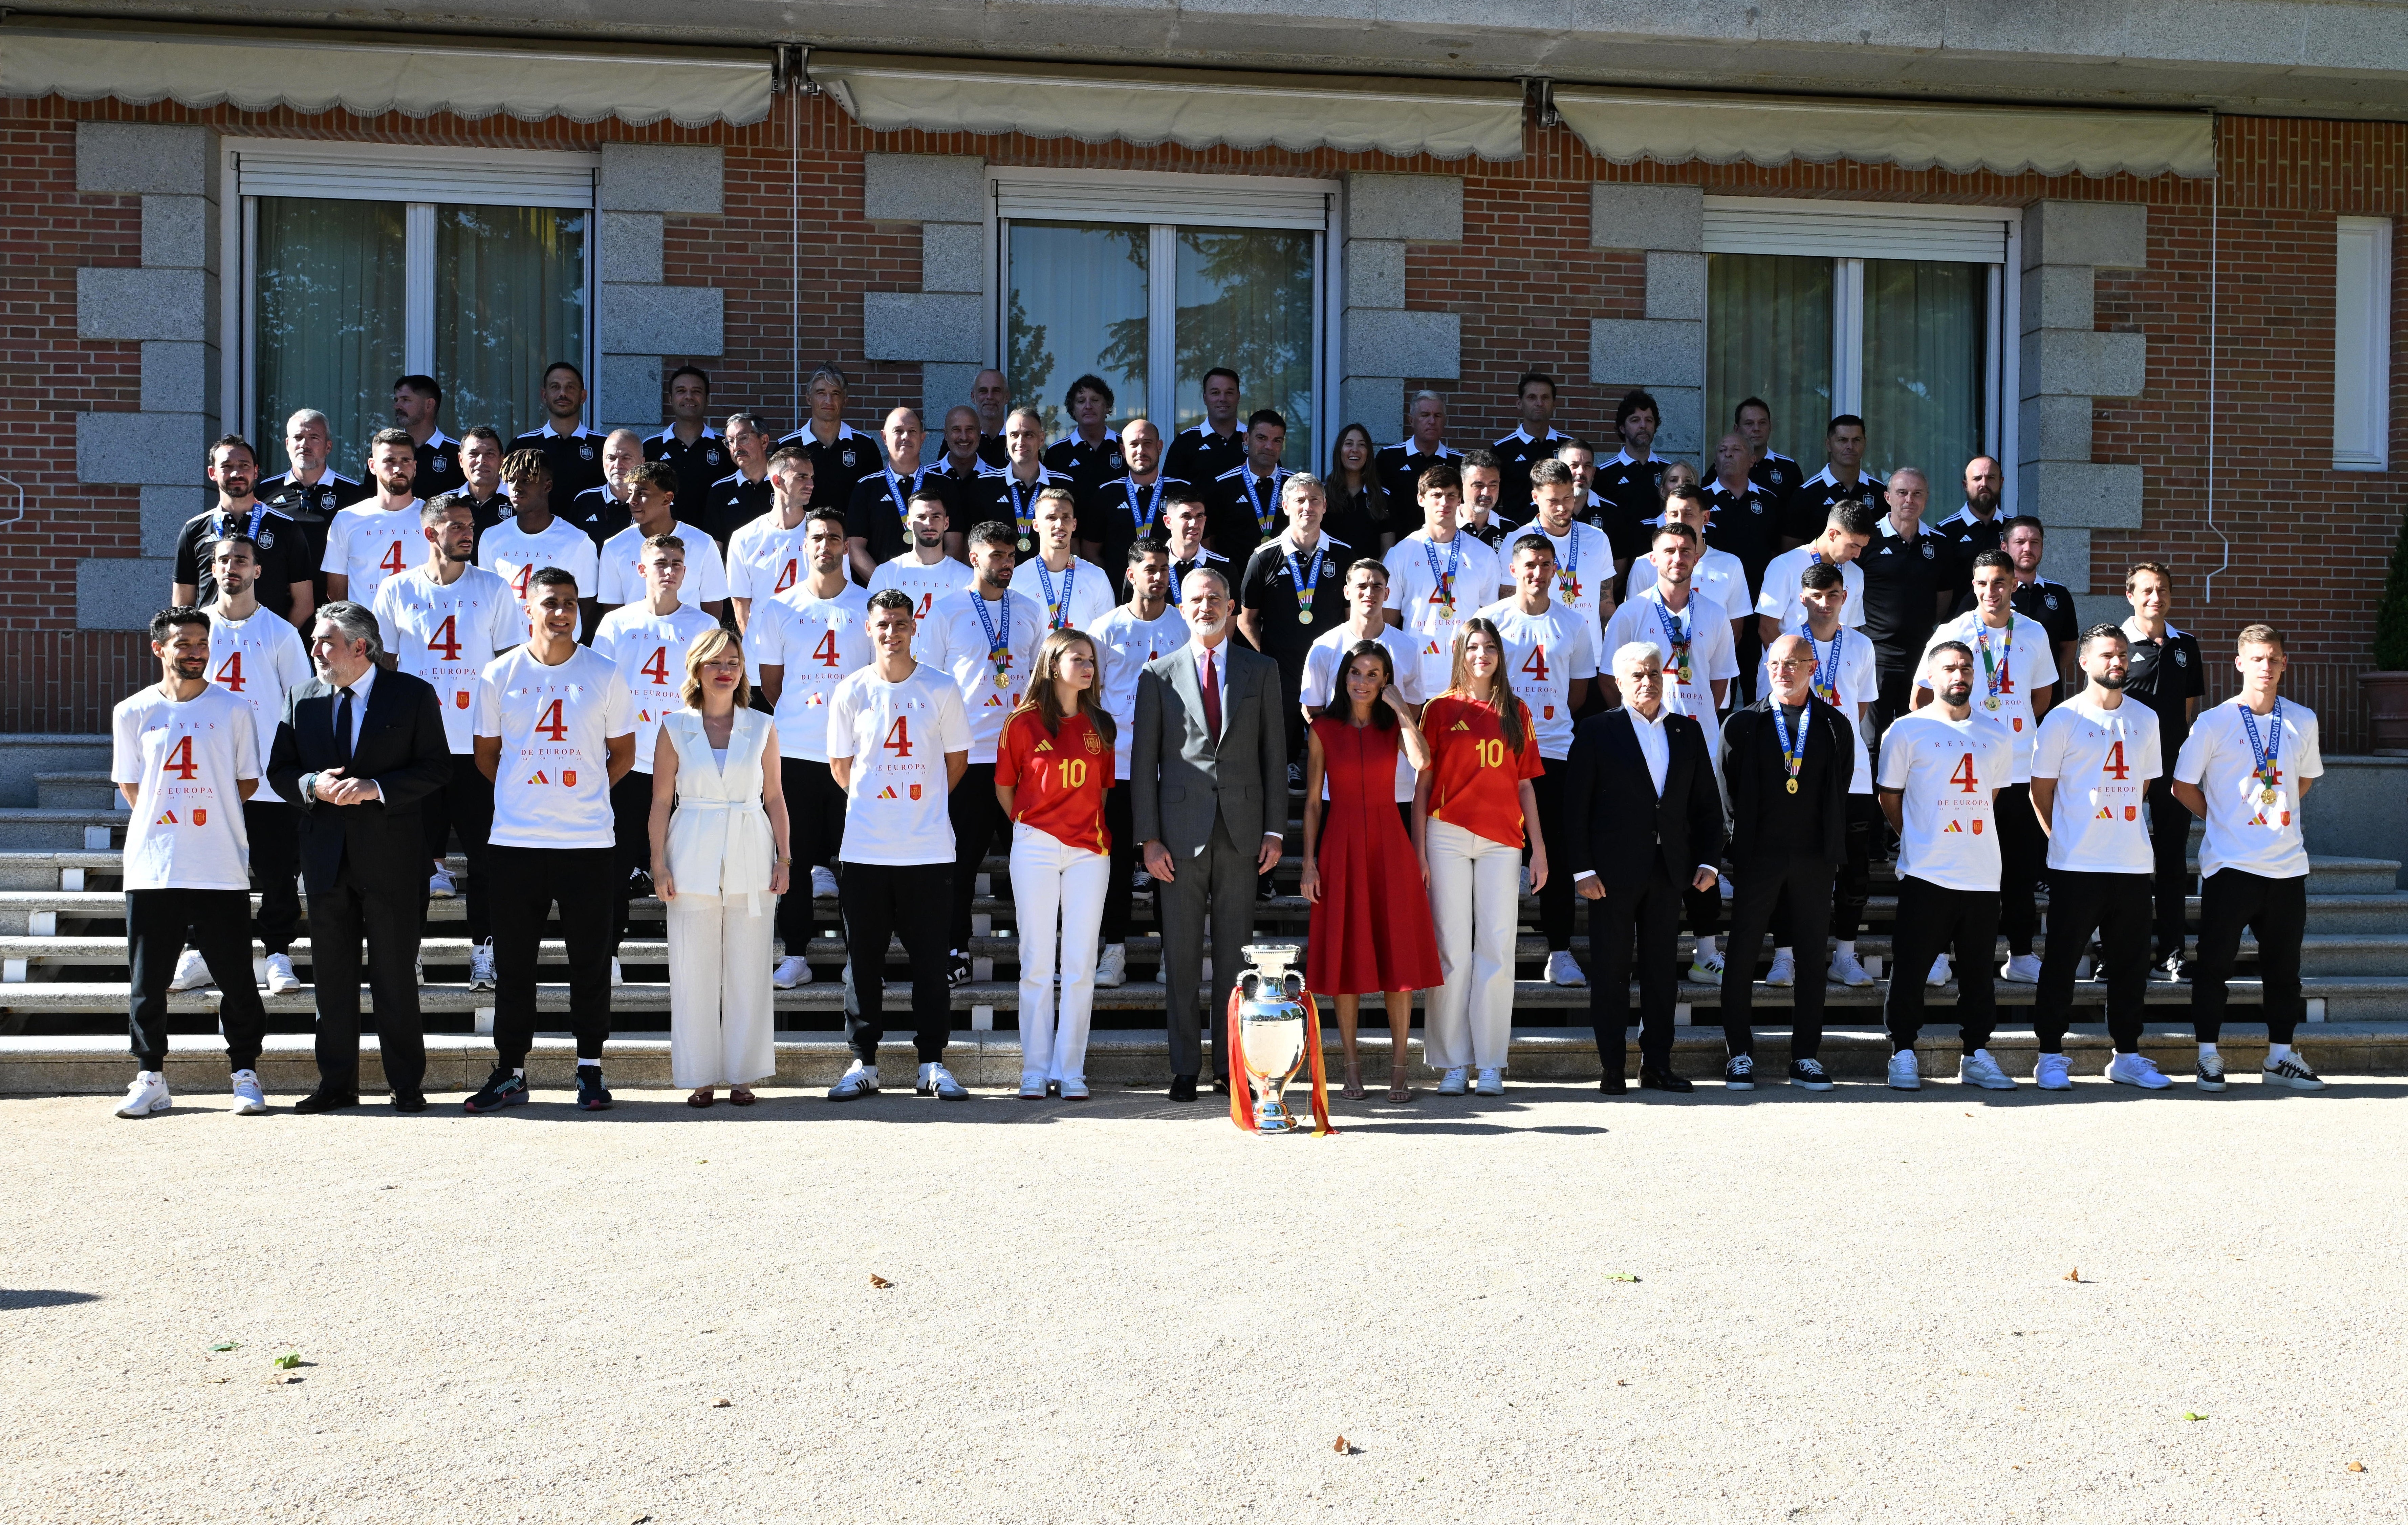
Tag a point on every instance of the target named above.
point(1341, 1447)
point(2074, 1274)
point(288, 1360)
point(2194, 1416)
point(1620, 1276)
point(227, 1344)
point(722, 1402)
point(279, 1379)
point(2357, 1466)
point(879, 1282)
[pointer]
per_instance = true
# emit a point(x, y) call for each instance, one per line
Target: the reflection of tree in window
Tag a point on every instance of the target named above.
point(510, 300)
point(1029, 363)
point(328, 306)
point(1245, 301)
point(1077, 303)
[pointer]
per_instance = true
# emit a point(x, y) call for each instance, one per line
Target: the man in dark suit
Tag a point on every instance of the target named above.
point(1789, 758)
point(1208, 794)
point(358, 748)
point(1643, 821)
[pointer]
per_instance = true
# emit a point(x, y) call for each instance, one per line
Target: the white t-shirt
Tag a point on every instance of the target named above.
point(966, 653)
point(369, 544)
point(818, 643)
point(1583, 569)
point(620, 579)
point(1784, 601)
point(1083, 584)
point(1320, 681)
point(1846, 681)
point(1129, 644)
point(1712, 654)
point(514, 555)
point(258, 661)
point(648, 650)
point(2243, 831)
point(448, 635)
point(2102, 761)
point(897, 735)
point(1415, 592)
point(1543, 654)
point(2018, 660)
point(552, 789)
point(925, 585)
point(1719, 578)
point(1946, 771)
point(186, 829)
point(765, 558)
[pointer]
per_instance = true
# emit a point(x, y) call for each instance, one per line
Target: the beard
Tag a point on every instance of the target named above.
point(2112, 684)
point(1956, 695)
point(1198, 627)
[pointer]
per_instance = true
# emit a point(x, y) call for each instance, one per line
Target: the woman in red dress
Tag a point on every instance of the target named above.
point(1370, 900)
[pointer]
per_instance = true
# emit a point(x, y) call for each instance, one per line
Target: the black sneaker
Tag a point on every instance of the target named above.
point(1738, 1072)
point(639, 885)
point(591, 1095)
point(503, 1088)
point(1809, 1074)
point(958, 971)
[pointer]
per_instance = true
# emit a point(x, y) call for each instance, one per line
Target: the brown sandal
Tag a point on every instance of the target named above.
point(1352, 1091)
point(700, 1097)
point(740, 1095)
point(1400, 1088)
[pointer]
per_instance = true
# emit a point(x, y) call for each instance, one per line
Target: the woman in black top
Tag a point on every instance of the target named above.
point(1359, 515)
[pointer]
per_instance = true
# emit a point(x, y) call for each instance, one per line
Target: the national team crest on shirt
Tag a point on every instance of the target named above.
point(2182, 657)
point(1927, 552)
point(441, 464)
point(2019, 721)
point(915, 791)
point(2131, 812)
point(1755, 505)
point(1977, 828)
point(459, 699)
point(1095, 744)
point(201, 816)
point(266, 539)
point(847, 455)
point(568, 779)
point(2049, 599)
point(584, 451)
point(711, 455)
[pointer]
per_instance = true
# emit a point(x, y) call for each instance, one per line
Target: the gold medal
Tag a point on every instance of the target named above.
point(1793, 785)
point(1991, 703)
point(1024, 546)
point(1304, 616)
point(2268, 795)
point(1002, 678)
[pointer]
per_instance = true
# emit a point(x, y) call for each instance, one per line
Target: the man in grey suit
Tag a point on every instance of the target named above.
point(1207, 782)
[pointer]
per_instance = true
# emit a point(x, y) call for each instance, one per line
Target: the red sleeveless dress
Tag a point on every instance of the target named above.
point(1371, 930)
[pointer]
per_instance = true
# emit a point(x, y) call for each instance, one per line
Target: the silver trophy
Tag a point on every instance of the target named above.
point(1270, 1029)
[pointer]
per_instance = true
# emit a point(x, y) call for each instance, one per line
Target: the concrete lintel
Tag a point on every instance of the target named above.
point(922, 188)
point(1416, 208)
point(1669, 217)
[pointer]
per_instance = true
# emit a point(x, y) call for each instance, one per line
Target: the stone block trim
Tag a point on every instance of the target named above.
point(952, 257)
point(119, 593)
point(140, 158)
point(631, 247)
point(922, 188)
point(1676, 285)
point(685, 179)
point(1667, 217)
point(2080, 494)
point(2099, 233)
point(1644, 351)
point(924, 325)
point(1414, 208)
point(655, 321)
point(141, 448)
point(1375, 273)
point(943, 325)
point(1665, 351)
point(643, 319)
point(180, 231)
point(175, 372)
point(1386, 343)
point(115, 303)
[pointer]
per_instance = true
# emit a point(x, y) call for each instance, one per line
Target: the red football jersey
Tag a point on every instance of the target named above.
point(1475, 778)
point(1057, 782)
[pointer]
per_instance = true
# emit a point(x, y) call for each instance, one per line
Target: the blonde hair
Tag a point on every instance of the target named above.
point(705, 647)
point(1048, 666)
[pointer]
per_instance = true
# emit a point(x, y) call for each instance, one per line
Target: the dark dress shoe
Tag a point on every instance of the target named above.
point(1182, 1087)
point(1652, 1079)
point(1614, 1084)
point(323, 1100)
point(409, 1102)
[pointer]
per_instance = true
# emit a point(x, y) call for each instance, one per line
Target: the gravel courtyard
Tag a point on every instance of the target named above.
point(1547, 1307)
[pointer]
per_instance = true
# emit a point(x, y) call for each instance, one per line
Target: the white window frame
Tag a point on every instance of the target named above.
point(2361, 344)
point(1851, 232)
point(422, 179)
point(1166, 201)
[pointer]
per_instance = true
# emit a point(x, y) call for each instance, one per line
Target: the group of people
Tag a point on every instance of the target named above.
point(851, 668)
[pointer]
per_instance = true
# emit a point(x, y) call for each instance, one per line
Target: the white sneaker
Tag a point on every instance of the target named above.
point(1032, 1088)
point(1454, 1081)
point(1074, 1089)
point(938, 1082)
point(858, 1082)
point(281, 981)
point(2292, 1071)
point(2137, 1070)
point(1492, 1083)
point(1563, 969)
point(2166, 970)
point(1707, 968)
point(1783, 973)
point(439, 886)
point(1979, 1069)
point(191, 971)
point(147, 1095)
point(248, 1101)
point(2052, 1072)
point(480, 964)
point(2021, 969)
point(617, 979)
point(2211, 1071)
point(1940, 973)
point(1905, 1076)
point(790, 973)
point(1847, 970)
point(1111, 967)
point(823, 883)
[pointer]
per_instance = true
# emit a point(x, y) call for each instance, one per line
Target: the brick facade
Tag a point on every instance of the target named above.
point(2307, 544)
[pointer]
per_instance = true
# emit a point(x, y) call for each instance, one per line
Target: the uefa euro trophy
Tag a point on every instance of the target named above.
point(1272, 1023)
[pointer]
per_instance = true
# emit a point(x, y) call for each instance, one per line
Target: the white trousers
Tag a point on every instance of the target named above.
point(722, 1015)
point(1050, 880)
point(1475, 889)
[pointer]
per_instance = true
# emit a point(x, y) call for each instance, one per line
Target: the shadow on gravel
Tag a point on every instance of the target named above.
point(42, 1298)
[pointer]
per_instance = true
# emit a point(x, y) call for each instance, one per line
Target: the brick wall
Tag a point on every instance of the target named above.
point(2307, 544)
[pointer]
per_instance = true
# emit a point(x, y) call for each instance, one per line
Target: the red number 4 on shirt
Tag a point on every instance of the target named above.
point(179, 760)
point(899, 737)
point(1963, 776)
point(1536, 664)
point(393, 565)
point(549, 723)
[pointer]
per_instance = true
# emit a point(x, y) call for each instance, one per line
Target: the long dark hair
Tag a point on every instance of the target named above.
point(1337, 705)
point(1511, 718)
point(1048, 665)
point(1375, 498)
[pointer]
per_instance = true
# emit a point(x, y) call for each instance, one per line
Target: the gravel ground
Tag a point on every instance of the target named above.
point(1547, 1307)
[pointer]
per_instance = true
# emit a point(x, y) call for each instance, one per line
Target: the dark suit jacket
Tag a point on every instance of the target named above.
point(401, 747)
point(1751, 757)
point(1178, 777)
point(1615, 824)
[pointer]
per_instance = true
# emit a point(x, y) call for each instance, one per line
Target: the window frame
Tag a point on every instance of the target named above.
point(2362, 437)
point(1164, 201)
point(423, 179)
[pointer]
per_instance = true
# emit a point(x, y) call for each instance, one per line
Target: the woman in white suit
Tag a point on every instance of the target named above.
point(719, 845)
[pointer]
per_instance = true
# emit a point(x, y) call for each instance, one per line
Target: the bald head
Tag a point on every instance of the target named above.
point(1792, 661)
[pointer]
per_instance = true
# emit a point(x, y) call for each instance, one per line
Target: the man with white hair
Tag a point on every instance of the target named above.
point(1400, 465)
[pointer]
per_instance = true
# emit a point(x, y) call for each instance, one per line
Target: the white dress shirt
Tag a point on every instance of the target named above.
point(1656, 748)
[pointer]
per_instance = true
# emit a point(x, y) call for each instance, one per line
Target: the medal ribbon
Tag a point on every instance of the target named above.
point(1826, 682)
point(1568, 572)
point(2263, 760)
point(250, 530)
point(1793, 756)
point(1057, 614)
point(894, 491)
point(1676, 633)
point(998, 647)
point(1020, 503)
point(1144, 520)
point(1445, 580)
point(1995, 670)
point(1263, 516)
point(1305, 577)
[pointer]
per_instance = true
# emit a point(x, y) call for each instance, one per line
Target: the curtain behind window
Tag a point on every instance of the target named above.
point(1924, 365)
point(1769, 336)
point(328, 306)
point(509, 299)
point(1077, 305)
point(1245, 301)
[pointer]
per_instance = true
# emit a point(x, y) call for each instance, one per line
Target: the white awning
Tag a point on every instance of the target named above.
point(1194, 109)
point(368, 78)
point(1673, 127)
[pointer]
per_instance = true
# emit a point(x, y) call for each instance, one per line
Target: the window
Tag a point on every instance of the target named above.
point(2362, 344)
point(1151, 281)
point(1891, 313)
point(361, 262)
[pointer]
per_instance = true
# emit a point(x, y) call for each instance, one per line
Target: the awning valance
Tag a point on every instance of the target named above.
point(1676, 127)
point(305, 73)
point(1194, 109)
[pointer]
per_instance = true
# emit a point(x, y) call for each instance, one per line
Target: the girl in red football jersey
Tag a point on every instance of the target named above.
point(1051, 766)
point(1471, 806)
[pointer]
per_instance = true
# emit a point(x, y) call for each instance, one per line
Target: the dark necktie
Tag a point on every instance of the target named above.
point(1212, 687)
point(343, 731)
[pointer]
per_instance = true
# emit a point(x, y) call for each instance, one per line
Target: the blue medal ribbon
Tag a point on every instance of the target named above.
point(1305, 577)
point(1264, 517)
point(1826, 682)
point(1058, 613)
point(894, 491)
point(2263, 757)
point(1144, 520)
point(1793, 755)
point(1445, 580)
point(1568, 571)
point(1676, 633)
point(998, 647)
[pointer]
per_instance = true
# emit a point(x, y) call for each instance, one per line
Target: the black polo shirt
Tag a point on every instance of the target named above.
point(310, 505)
point(2163, 674)
point(1235, 504)
point(1001, 497)
point(698, 466)
point(1349, 519)
point(1086, 465)
point(284, 557)
point(1515, 454)
point(601, 515)
point(1269, 589)
point(2049, 605)
point(1778, 475)
point(1114, 515)
point(1633, 494)
point(1746, 525)
point(839, 466)
point(438, 467)
point(1198, 455)
point(1400, 465)
point(991, 452)
point(1903, 582)
point(728, 505)
point(876, 514)
point(1808, 509)
point(1971, 535)
point(575, 459)
point(487, 511)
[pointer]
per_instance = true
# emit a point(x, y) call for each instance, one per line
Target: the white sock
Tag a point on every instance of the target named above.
point(2277, 1053)
point(2207, 1051)
point(1705, 949)
point(1780, 952)
point(1848, 948)
point(520, 1072)
point(589, 1064)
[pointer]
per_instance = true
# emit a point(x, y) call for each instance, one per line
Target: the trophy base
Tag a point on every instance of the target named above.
point(1272, 1117)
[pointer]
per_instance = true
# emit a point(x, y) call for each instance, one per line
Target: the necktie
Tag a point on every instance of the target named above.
point(343, 731)
point(1212, 687)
